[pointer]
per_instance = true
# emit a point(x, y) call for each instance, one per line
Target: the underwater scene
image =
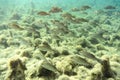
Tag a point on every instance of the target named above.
point(59, 39)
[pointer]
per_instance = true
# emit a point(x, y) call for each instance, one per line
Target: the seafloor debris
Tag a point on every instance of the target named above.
point(16, 70)
point(55, 10)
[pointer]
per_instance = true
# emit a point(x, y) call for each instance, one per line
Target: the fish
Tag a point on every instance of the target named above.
point(55, 10)
point(67, 15)
point(85, 7)
point(15, 26)
point(58, 23)
point(75, 9)
point(45, 47)
point(89, 55)
point(76, 59)
point(47, 65)
point(79, 20)
point(55, 36)
point(110, 7)
point(43, 13)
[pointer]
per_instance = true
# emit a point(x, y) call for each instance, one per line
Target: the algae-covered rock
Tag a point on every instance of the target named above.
point(16, 70)
point(96, 73)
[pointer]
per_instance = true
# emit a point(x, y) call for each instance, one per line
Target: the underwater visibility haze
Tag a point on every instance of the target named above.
point(59, 39)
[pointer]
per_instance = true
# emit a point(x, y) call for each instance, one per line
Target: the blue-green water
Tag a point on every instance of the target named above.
point(7, 7)
point(63, 4)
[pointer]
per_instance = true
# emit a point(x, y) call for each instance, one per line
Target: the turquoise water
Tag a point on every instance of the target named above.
point(64, 4)
point(7, 7)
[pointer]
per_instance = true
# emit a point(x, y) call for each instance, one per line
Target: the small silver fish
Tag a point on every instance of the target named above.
point(45, 47)
point(76, 59)
point(89, 55)
point(47, 65)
